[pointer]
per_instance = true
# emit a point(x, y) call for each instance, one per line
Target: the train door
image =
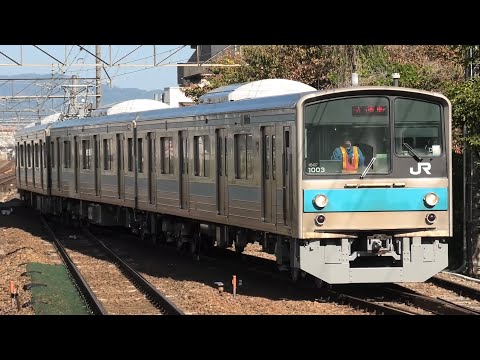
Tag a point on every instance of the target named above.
point(287, 176)
point(120, 166)
point(76, 163)
point(183, 171)
point(152, 174)
point(96, 160)
point(221, 141)
point(269, 174)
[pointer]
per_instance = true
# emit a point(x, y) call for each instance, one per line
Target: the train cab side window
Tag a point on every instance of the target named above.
point(166, 154)
point(140, 155)
point(130, 154)
point(201, 155)
point(86, 154)
point(243, 155)
point(67, 154)
point(52, 154)
point(107, 154)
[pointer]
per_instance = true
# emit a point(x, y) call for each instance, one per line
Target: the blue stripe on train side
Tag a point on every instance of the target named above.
point(393, 199)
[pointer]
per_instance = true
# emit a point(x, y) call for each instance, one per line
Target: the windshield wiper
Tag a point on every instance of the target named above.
point(412, 152)
point(368, 167)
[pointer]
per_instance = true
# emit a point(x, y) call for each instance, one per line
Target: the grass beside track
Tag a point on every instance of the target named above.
point(59, 296)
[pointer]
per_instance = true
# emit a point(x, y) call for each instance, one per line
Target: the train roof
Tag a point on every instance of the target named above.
point(32, 129)
point(254, 90)
point(288, 101)
point(274, 102)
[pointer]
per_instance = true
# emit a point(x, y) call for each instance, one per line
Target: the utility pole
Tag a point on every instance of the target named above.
point(98, 74)
point(74, 93)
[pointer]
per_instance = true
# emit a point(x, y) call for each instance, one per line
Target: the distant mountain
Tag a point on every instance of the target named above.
point(115, 94)
point(54, 87)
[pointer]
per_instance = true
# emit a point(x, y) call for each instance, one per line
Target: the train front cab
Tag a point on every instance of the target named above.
point(387, 222)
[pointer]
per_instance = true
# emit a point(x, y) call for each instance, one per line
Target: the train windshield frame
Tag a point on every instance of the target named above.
point(379, 126)
point(363, 120)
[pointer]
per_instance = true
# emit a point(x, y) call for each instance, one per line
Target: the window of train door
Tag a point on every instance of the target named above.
point(31, 160)
point(269, 174)
point(19, 162)
point(41, 164)
point(151, 169)
point(25, 162)
point(287, 176)
point(221, 154)
point(183, 173)
point(58, 165)
point(120, 172)
point(76, 163)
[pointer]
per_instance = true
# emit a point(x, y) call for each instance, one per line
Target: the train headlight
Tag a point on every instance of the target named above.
point(431, 199)
point(320, 201)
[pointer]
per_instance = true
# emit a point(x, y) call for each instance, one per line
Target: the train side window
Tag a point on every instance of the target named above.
point(239, 154)
point(201, 146)
point(86, 154)
point(130, 154)
point(52, 154)
point(243, 156)
point(140, 155)
point(67, 154)
point(166, 153)
point(107, 154)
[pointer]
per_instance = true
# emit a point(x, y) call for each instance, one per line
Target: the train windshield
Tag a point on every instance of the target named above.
point(343, 135)
point(417, 128)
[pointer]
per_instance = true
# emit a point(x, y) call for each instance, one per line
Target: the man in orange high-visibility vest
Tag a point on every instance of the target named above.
point(351, 156)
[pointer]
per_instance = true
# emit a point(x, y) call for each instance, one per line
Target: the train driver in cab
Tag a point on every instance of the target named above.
point(350, 155)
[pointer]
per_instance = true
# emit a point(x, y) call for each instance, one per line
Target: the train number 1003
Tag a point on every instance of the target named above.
point(315, 169)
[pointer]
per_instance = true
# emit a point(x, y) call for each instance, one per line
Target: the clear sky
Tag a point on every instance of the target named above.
point(73, 56)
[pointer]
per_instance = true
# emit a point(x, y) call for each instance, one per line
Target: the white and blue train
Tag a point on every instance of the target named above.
point(273, 170)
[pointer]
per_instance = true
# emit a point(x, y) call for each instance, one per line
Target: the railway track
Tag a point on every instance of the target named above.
point(7, 167)
point(107, 283)
point(267, 270)
point(385, 300)
point(94, 305)
point(436, 305)
point(456, 287)
point(4, 179)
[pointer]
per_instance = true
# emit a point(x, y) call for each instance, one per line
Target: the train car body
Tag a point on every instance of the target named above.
point(262, 170)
